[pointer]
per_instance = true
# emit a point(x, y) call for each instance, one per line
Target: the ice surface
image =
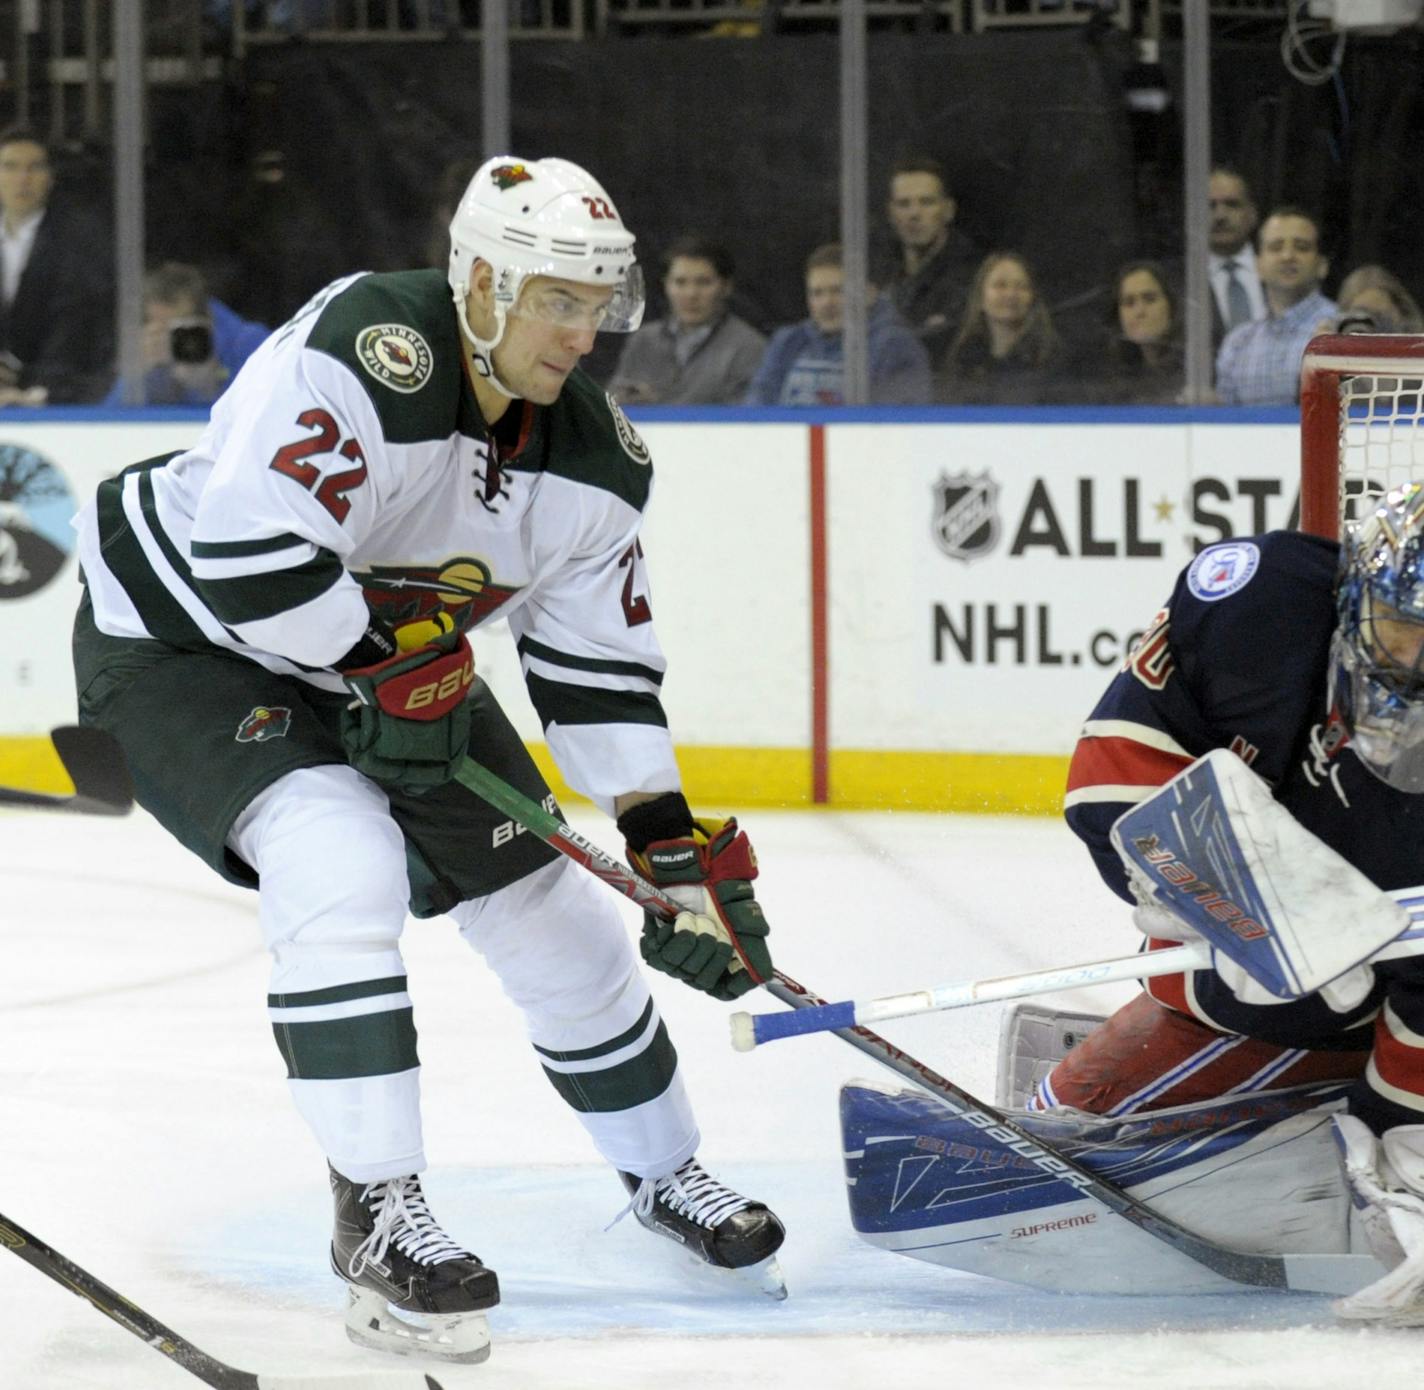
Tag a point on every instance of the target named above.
point(145, 1131)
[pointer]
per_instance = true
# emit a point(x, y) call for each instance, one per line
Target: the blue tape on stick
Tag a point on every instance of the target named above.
point(818, 1018)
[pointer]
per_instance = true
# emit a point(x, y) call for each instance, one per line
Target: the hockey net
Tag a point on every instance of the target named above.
point(1361, 425)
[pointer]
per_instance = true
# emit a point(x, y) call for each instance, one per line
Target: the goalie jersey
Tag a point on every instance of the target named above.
point(347, 471)
point(1239, 658)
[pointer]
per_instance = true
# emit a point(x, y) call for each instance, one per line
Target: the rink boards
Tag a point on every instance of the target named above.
point(911, 609)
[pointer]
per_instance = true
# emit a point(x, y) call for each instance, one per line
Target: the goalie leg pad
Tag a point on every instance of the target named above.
point(1147, 1057)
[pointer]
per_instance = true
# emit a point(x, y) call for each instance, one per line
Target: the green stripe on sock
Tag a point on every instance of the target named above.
point(604, 1048)
point(338, 994)
point(376, 1044)
point(634, 1082)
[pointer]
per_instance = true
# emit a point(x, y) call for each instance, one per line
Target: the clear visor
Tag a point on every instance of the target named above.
point(1382, 700)
point(571, 304)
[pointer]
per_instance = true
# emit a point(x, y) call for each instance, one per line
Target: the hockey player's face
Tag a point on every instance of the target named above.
point(550, 328)
point(1397, 642)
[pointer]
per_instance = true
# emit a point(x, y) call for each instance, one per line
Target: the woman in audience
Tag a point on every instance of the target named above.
point(1006, 351)
point(1144, 350)
point(1372, 300)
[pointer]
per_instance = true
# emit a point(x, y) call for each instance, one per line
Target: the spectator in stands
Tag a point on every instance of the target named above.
point(701, 353)
point(193, 344)
point(1236, 293)
point(804, 362)
point(1259, 362)
point(1006, 351)
point(933, 265)
point(1372, 300)
point(1144, 350)
point(56, 286)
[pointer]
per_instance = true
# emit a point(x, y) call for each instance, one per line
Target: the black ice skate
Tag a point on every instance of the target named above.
point(712, 1223)
point(413, 1290)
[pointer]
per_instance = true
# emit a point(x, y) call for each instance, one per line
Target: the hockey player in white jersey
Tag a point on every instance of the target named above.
point(273, 627)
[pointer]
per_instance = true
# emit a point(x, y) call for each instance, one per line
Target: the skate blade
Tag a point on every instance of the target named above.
point(460, 1337)
point(765, 1277)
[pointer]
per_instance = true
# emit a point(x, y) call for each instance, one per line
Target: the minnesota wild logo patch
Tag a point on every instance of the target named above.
point(266, 721)
point(395, 355)
point(508, 175)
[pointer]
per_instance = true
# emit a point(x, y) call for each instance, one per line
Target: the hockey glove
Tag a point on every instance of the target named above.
point(409, 726)
point(718, 942)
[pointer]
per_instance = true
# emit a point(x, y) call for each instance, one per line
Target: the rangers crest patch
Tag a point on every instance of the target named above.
point(265, 722)
point(1222, 570)
point(628, 437)
point(395, 355)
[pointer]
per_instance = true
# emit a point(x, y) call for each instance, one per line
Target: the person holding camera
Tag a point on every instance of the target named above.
point(193, 344)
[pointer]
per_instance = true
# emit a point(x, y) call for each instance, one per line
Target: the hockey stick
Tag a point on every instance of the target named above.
point(751, 1030)
point(179, 1349)
point(1305, 1273)
point(95, 765)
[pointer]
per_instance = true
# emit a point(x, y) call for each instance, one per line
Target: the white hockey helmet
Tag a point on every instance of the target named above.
point(527, 217)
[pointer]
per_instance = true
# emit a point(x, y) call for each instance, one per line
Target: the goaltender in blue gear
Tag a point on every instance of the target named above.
point(1305, 659)
point(274, 626)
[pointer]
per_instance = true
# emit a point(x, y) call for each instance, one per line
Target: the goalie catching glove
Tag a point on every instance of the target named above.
point(409, 726)
point(718, 942)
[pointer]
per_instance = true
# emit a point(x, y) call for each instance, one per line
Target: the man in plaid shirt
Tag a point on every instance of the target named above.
point(1259, 362)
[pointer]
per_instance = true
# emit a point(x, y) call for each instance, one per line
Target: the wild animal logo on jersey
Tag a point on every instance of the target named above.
point(461, 586)
point(395, 355)
point(628, 437)
point(966, 522)
point(265, 722)
point(1222, 570)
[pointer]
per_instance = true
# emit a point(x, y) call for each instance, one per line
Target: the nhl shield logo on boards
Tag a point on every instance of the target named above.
point(966, 521)
point(265, 722)
point(395, 355)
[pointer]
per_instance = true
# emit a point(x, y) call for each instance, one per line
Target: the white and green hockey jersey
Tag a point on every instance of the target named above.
point(347, 470)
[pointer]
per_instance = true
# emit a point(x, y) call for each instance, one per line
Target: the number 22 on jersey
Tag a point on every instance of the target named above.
point(290, 460)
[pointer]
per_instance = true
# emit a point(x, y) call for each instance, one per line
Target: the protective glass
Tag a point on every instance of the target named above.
point(574, 305)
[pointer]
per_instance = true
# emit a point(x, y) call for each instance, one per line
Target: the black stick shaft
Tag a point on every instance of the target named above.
point(116, 1307)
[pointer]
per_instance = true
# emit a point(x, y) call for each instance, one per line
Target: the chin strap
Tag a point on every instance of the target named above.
point(483, 348)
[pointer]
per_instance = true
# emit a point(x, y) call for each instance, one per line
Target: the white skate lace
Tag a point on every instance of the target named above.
point(402, 1218)
point(691, 1192)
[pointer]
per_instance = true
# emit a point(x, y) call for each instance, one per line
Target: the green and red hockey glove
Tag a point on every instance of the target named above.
point(409, 726)
point(717, 944)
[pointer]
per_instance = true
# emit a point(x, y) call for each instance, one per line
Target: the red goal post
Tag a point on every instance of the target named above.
point(1361, 424)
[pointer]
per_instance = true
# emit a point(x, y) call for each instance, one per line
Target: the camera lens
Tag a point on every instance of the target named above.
point(190, 342)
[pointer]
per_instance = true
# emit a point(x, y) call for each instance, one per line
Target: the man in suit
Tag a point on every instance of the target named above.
point(56, 286)
point(1236, 293)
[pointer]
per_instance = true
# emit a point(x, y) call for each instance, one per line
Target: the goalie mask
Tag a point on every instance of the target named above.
point(542, 217)
point(1377, 654)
